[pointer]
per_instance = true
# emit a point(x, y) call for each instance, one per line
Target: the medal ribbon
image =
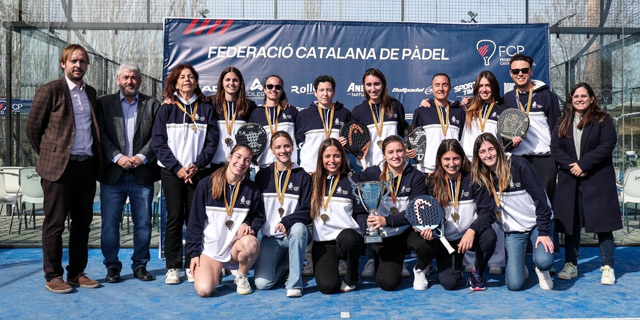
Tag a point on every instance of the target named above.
point(486, 116)
point(226, 116)
point(233, 200)
point(442, 122)
point(455, 197)
point(375, 118)
point(191, 115)
point(267, 112)
point(327, 133)
point(334, 182)
point(394, 193)
point(280, 191)
point(528, 101)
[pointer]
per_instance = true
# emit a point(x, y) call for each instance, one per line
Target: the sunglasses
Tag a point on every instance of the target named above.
point(271, 86)
point(517, 71)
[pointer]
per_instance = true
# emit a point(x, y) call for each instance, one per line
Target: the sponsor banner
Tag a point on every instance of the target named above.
point(17, 105)
point(409, 54)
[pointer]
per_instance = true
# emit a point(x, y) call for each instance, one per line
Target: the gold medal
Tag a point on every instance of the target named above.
point(455, 217)
point(394, 210)
point(498, 214)
point(281, 212)
point(380, 144)
point(194, 128)
point(324, 217)
point(229, 224)
point(229, 206)
point(228, 141)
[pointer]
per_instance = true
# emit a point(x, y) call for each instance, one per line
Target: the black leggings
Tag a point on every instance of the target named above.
point(326, 255)
point(450, 265)
point(389, 257)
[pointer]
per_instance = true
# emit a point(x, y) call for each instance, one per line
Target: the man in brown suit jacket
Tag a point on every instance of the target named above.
point(63, 129)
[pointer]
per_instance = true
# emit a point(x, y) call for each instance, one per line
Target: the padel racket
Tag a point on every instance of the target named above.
point(358, 138)
point(425, 212)
point(417, 140)
point(253, 135)
point(513, 123)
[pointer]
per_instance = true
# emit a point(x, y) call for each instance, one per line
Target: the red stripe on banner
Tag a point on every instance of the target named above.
point(191, 26)
point(214, 27)
point(483, 50)
point(226, 26)
point(203, 26)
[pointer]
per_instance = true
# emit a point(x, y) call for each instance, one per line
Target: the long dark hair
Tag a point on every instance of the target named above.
point(439, 177)
point(320, 176)
point(242, 103)
point(593, 111)
point(481, 174)
point(475, 107)
point(172, 79)
point(387, 101)
point(283, 96)
point(219, 177)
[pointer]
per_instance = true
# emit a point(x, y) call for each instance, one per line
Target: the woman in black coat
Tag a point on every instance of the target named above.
point(582, 145)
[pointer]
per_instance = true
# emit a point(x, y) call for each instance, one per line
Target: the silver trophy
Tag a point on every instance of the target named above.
point(370, 193)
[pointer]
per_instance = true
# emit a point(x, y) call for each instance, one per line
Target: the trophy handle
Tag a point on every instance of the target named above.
point(354, 189)
point(387, 186)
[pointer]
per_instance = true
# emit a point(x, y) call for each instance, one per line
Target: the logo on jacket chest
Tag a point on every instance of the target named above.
point(244, 201)
point(292, 187)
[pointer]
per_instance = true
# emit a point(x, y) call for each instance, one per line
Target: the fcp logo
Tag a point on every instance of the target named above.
point(486, 48)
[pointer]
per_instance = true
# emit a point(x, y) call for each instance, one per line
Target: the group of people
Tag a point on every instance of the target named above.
point(495, 199)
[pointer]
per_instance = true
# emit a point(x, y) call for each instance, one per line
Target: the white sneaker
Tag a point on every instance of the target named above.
point(234, 272)
point(405, 271)
point(188, 274)
point(307, 271)
point(569, 271)
point(419, 280)
point(495, 270)
point(342, 267)
point(369, 269)
point(172, 276)
point(242, 284)
point(608, 275)
point(544, 279)
point(344, 287)
point(294, 293)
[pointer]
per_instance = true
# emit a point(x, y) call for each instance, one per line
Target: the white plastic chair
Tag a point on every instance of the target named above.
point(629, 191)
point(31, 192)
point(8, 198)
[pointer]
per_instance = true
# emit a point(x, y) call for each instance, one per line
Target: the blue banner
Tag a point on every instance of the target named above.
point(409, 54)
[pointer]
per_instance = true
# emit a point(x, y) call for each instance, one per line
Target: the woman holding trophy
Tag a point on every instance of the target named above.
point(404, 182)
point(338, 221)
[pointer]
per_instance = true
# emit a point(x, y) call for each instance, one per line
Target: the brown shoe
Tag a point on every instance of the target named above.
point(56, 285)
point(83, 281)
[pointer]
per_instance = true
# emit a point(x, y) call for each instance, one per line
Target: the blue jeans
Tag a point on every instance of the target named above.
point(112, 201)
point(516, 245)
point(279, 256)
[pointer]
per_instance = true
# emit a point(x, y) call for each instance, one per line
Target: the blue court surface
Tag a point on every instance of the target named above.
point(23, 296)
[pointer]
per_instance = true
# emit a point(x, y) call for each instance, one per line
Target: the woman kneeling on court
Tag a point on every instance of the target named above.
point(468, 213)
point(338, 221)
point(406, 182)
point(226, 214)
point(286, 189)
point(523, 209)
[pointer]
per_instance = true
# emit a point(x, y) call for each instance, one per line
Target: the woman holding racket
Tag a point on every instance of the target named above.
point(286, 189)
point(380, 113)
point(522, 209)
point(225, 218)
point(233, 109)
point(184, 139)
point(406, 182)
point(338, 221)
point(275, 115)
point(468, 213)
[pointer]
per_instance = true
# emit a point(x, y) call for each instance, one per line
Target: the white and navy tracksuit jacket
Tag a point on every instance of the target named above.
point(296, 203)
point(394, 125)
point(524, 205)
point(223, 149)
point(343, 211)
point(472, 130)
point(543, 116)
point(175, 142)
point(310, 131)
point(412, 185)
point(207, 232)
point(475, 209)
point(427, 118)
point(286, 122)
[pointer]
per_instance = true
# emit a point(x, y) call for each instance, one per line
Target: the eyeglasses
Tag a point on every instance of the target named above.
point(515, 72)
point(271, 86)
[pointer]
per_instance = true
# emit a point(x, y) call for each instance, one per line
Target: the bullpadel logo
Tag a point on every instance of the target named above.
point(486, 48)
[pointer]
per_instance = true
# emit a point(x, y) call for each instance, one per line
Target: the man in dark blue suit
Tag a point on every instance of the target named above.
point(125, 119)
